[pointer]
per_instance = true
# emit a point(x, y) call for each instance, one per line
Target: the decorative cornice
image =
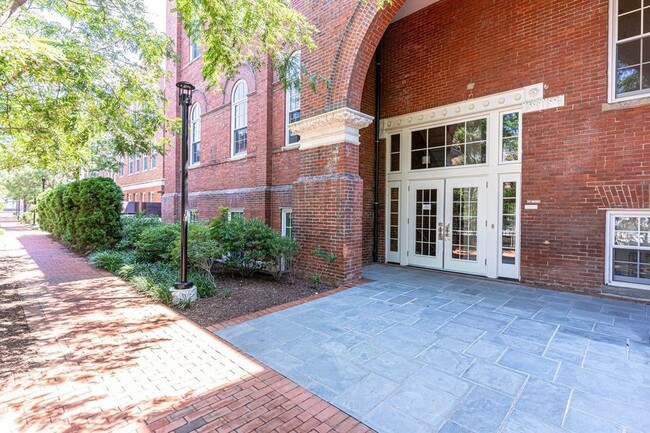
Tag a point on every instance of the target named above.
point(333, 127)
point(529, 96)
point(543, 104)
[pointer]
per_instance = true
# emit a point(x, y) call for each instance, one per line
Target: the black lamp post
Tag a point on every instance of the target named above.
point(184, 100)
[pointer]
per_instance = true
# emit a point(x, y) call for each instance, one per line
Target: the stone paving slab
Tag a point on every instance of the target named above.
point(421, 351)
point(111, 360)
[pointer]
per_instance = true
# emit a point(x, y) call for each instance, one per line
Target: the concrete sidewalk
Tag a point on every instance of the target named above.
point(111, 360)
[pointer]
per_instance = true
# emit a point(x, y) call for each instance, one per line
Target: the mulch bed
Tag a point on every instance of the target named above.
point(248, 295)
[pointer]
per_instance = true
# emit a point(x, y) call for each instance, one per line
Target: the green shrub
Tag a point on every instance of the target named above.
point(154, 280)
point(111, 260)
point(204, 282)
point(26, 217)
point(154, 242)
point(132, 227)
point(84, 214)
point(202, 250)
point(250, 245)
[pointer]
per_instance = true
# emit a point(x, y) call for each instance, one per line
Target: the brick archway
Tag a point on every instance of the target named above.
point(355, 52)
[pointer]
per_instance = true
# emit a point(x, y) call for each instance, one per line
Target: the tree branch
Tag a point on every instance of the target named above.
point(8, 11)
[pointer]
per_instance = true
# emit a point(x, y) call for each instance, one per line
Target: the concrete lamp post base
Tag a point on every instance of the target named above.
point(182, 295)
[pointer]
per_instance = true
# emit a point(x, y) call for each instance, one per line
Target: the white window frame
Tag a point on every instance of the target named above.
point(195, 123)
point(389, 152)
point(137, 163)
point(507, 270)
point(195, 50)
point(243, 102)
point(284, 212)
point(151, 196)
point(154, 160)
point(519, 137)
point(145, 162)
point(235, 210)
point(609, 247)
point(611, 73)
point(193, 215)
point(448, 122)
point(289, 96)
point(131, 165)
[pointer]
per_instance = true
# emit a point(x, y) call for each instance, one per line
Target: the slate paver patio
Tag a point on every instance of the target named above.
point(421, 351)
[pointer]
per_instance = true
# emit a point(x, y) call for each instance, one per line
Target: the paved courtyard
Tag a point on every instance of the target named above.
point(416, 351)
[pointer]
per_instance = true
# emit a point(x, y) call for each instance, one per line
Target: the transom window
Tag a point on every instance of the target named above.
point(293, 97)
point(239, 118)
point(629, 255)
point(195, 131)
point(449, 146)
point(630, 48)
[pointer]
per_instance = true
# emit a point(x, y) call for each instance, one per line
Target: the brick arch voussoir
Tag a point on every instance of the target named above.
point(356, 51)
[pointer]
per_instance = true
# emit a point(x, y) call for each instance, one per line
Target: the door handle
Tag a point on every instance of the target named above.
point(447, 234)
point(441, 236)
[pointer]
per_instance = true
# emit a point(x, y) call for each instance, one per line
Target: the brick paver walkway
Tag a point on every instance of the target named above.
point(110, 360)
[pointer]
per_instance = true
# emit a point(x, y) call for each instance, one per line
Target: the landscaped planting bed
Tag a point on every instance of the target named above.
point(248, 295)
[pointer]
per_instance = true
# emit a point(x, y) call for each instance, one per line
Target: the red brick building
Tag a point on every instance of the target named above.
point(512, 140)
point(143, 182)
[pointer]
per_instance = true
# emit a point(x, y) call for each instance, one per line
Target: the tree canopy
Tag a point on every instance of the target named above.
point(80, 82)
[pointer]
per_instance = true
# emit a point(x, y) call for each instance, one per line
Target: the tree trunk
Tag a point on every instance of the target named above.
point(9, 10)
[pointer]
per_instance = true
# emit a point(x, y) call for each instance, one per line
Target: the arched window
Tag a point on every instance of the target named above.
point(239, 118)
point(195, 128)
point(293, 97)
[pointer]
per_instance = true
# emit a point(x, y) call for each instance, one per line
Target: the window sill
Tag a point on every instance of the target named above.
point(291, 146)
point(630, 103)
point(238, 157)
point(195, 165)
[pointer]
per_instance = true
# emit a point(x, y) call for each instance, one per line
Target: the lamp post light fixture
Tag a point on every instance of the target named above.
point(183, 290)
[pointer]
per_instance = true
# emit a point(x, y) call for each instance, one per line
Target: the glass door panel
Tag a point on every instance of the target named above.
point(393, 223)
point(508, 250)
point(425, 223)
point(465, 225)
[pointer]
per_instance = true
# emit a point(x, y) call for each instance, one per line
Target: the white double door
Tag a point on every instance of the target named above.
point(447, 224)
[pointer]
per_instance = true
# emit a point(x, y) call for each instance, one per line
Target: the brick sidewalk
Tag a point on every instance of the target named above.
point(110, 360)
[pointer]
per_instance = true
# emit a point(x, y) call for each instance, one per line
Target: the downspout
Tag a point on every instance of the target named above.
point(375, 204)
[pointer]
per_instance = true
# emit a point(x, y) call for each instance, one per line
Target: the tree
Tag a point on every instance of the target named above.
point(239, 32)
point(79, 83)
point(23, 185)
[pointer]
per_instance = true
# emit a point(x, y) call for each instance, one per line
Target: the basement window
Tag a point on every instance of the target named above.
point(628, 252)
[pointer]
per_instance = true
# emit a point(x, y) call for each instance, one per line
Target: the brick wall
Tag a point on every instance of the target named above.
point(431, 56)
point(428, 60)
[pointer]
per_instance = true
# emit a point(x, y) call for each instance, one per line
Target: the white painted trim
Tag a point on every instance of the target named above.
point(609, 246)
point(287, 102)
point(333, 127)
point(611, 69)
point(511, 100)
point(159, 182)
point(232, 118)
point(507, 270)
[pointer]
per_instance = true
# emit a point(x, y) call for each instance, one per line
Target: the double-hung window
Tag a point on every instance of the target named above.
point(239, 118)
point(154, 159)
point(131, 165)
point(195, 146)
point(628, 252)
point(293, 97)
point(195, 49)
point(629, 49)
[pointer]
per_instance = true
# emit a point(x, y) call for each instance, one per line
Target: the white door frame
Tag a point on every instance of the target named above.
point(414, 259)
